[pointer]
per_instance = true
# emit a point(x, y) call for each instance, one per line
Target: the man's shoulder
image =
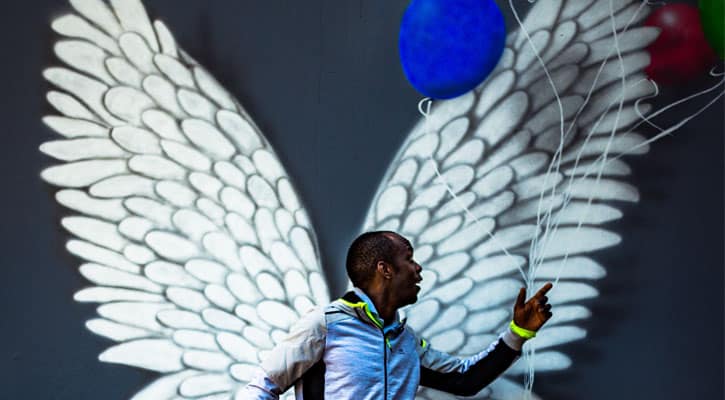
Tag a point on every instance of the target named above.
point(320, 316)
point(338, 311)
point(312, 320)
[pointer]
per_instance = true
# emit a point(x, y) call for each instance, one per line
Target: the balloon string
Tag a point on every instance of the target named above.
point(620, 102)
point(424, 107)
point(425, 102)
point(671, 129)
point(538, 250)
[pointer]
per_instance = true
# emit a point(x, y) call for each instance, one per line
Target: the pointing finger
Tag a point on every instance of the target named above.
point(544, 289)
point(521, 297)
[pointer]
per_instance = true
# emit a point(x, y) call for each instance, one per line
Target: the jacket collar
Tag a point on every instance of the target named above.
point(358, 303)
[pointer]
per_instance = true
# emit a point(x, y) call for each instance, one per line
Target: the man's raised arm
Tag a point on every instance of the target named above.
point(466, 377)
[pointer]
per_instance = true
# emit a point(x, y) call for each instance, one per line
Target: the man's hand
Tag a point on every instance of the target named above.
point(535, 312)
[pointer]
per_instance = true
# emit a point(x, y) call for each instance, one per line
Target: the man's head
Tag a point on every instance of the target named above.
point(384, 259)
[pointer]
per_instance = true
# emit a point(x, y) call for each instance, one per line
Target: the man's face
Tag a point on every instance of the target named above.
point(406, 273)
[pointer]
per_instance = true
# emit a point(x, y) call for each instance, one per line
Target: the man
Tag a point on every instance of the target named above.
point(357, 348)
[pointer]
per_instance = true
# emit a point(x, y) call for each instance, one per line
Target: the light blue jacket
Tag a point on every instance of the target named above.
point(343, 352)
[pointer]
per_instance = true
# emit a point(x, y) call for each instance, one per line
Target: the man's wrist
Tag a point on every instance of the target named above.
point(522, 332)
point(512, 339)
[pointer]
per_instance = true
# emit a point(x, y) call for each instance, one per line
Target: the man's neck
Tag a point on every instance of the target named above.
point(383, 304)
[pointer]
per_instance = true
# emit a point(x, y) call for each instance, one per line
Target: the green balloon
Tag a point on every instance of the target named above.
point(712, 16)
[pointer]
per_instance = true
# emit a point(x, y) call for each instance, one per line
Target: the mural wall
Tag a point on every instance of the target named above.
point(180, 205)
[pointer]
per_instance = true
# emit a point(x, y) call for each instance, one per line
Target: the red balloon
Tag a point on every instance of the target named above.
point(681, 52)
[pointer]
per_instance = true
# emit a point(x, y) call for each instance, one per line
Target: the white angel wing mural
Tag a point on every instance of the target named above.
point(514, 180)
point(201, 255)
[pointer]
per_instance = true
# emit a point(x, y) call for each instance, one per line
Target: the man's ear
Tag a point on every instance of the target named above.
point(385, 270)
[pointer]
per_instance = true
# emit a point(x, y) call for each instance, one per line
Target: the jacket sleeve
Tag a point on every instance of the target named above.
point(467, 376)
point(290, 359)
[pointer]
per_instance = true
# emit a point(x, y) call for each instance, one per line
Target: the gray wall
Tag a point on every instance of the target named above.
point(322, 80)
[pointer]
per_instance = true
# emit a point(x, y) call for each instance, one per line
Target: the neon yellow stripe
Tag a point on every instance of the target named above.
point(355, 305)
point(423, 343)
point(365, 307)
point(372, 317)
point(524, 333)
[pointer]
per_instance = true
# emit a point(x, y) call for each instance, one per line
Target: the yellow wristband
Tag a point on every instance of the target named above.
point(524, 333)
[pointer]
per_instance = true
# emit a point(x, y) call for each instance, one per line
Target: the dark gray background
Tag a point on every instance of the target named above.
point(323, 81)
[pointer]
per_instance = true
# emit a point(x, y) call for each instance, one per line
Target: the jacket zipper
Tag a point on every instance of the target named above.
point(385, 367)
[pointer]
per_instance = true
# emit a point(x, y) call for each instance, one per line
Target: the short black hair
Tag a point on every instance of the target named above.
point(365, 252)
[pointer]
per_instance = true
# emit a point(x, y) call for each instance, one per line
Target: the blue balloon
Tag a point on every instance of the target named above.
point(448, 47)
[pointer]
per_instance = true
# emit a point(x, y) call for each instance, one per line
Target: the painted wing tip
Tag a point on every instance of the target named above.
point(47, 175)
